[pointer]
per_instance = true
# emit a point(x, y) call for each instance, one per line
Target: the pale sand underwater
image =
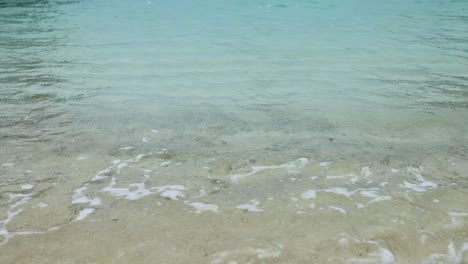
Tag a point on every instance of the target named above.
point(240, 132)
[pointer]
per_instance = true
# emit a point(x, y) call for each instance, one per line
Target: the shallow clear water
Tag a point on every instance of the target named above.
point(233, 131)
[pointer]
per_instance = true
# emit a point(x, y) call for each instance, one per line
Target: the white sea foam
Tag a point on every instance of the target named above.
point(325, 163)
point(127, 148)
point(79, 192)
point(84, 213)
point(98, 177)
point(374, 193)
point(386, 256)
point(24, 198)
point(7, 165)
point(79, 197)
point(250, 207)
point(365, 192)
point(370, 193)
point(260, 253)
point(341, 210)
point(172, 194)
point(267, 253)
point(414, 187)
point(165, 163)
point(81, 157)
point(203, 207)
point(27, 186)
point(380, 198)
point(340, 191)
point(107, 170)
point(126, 193)
point(359, 205)
point(170, 191)
point(41, 205)
point(290, 167)
point(423, 184)
point(137, 158)
point(352, 177)
point(84, 199)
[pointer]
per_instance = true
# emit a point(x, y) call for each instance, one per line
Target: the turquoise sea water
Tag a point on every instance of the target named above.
point(233, 131)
